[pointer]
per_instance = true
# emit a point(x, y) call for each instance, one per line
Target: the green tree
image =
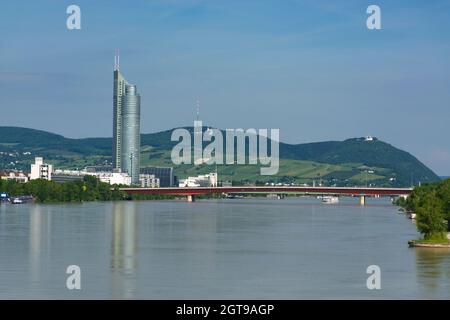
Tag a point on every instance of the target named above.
point(444, 195)
point(430, 217)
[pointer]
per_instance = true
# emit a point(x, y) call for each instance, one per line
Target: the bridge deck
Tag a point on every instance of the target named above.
point(349, 191)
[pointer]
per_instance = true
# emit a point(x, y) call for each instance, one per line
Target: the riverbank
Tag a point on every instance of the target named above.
point(429, 204)
point(429, 244)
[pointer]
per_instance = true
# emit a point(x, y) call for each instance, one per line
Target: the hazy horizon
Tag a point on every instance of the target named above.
point(309, 68)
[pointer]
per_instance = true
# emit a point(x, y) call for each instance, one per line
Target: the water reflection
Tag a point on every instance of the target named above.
point(123, 249)
point(39, 237)
point(202, 248)
point(433, 268)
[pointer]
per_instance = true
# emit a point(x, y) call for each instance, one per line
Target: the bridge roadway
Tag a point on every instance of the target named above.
point(190, 192)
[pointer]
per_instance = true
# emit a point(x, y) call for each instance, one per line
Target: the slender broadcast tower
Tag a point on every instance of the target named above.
point(126, 125)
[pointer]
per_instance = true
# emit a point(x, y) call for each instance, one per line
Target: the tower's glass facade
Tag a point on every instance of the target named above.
point(130, 146)
point(118, 91)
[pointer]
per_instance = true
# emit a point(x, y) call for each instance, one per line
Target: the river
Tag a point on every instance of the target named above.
point(295, 248)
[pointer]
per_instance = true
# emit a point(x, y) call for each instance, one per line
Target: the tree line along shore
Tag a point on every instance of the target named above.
point(431, 204)
point(88, 189)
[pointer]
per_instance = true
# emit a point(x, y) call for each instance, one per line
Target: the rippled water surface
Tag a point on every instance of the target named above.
point(216, 249)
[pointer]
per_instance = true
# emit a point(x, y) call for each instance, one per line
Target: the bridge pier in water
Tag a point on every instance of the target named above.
point(191, 198)
point(362, 200)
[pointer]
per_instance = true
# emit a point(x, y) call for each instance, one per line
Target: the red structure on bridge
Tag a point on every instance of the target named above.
point(190, 192)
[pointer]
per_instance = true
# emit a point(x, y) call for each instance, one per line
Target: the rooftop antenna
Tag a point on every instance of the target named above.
point(198, 110)
point(116, 59)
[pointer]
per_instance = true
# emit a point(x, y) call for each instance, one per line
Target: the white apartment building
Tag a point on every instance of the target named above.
point(148, 181)
point(41, 170)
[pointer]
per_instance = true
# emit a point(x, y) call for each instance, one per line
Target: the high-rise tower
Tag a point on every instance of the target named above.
point(126, 125)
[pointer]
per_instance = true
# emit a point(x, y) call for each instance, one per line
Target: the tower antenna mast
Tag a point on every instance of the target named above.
point(198, 110)
point(118, 59)
point(115, 60)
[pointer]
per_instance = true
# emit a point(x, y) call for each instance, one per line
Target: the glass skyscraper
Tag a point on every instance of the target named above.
point(126, 126)
point(118, 91)
point(130, 148)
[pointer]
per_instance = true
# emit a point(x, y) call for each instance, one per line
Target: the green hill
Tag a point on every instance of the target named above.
point(350, 162)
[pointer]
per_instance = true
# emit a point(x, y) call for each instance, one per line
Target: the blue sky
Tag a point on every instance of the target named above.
point(310, 68)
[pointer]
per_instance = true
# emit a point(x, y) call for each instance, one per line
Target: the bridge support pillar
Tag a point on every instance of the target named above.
point(362, 200)
point(191, 198)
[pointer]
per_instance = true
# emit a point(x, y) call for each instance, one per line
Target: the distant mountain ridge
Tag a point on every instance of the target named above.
point(382, 157)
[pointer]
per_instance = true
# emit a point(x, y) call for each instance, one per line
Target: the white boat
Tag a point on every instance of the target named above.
point(17, 201)
point(330, 199)
point(411, 215)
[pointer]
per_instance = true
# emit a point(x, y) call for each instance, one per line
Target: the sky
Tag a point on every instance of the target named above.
point(311, 69)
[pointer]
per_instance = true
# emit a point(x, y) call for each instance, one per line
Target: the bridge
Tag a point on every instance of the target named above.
point(191, 192)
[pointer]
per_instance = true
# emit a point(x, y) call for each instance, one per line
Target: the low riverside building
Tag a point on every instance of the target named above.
point(113, 177)
point(18, 176)
point(107, 177)
point(148, 181)
point(62, 176)
point(205, 180)
point(164, 174)
point(103, 168)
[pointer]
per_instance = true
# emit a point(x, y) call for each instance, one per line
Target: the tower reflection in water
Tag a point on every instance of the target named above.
point(123, 249)
point(40, 240)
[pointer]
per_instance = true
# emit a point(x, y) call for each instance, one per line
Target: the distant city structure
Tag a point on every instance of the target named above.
point(103, 168)
point(126, 125)
point(18, 176)
point(61, 176)
point(104, 176)
point(164, 174)
point(114, 177)
point(205, 180)
point(41, 170)
point(148, 181)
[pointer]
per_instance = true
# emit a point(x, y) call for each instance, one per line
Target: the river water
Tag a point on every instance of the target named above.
point(295, 248)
